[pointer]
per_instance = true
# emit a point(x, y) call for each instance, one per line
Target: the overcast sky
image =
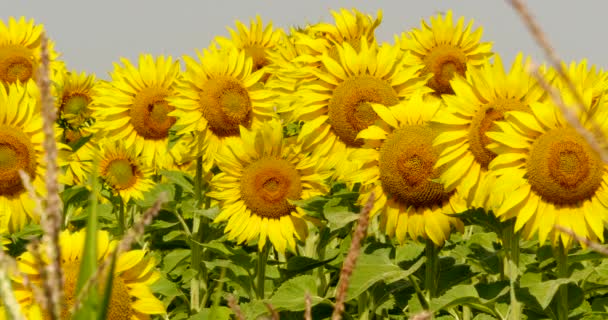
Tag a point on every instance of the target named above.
point(93, 34)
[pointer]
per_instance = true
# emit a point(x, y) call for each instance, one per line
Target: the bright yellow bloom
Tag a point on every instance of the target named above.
point(122, 171)
point(548, 173)
point(21, 140)
point(218, 94)
point(261, 173)
point(73, 95)
point(134, 107)
point(257, 40)
point(336, 106)
point(131, 297)
point(301, 51)
point(584, 77)
point(399, 168)
point(20, 51)
point(445, 49)
point(349, 27)
point(479, 100)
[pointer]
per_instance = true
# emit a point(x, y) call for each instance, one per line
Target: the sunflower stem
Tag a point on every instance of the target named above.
point(121, 216)
point(199, 281)
point(510, 240)
point(261, 272)
point(432, 269)
point(561, 254)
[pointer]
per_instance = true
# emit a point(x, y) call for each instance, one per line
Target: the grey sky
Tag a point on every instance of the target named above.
point(93, 34)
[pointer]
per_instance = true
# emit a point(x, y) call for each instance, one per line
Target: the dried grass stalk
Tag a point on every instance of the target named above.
point(595, 246)
point(424, 315)
point(235, 308)
point(351, 258)
point(274, 315)
point(51, 217)
point(308, 310)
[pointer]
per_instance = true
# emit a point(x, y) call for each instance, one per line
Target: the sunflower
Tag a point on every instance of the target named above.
point(20, 51)
point(131, 296)
point(585, 76)
point(445, 49)
point(73, 95)
point(257, 41)
point(261, 174)
point(350, 27)
point(217, 95)
point(21, 140)
point(479, 100)
point(121, 169)
point(79, 162)
point(134, 107)
point(301, 51)
point(399, 168)
point(336, 106)
point(548, 173)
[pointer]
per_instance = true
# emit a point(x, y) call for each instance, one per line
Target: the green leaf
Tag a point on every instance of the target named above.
point(175, 235)
point(339, 217)
point(173, 258)
point(545, 290)
point(409, 251)
point(299, 264)
point(160, 224)
point(210, 213)
point(151, 196)
point(600, 304)
point(457, 295)
point(166, 288)
point(179, 178)
point(253, 309)
point(213, 313)
point(481, 218)
point(375, 267)
point(290, 295)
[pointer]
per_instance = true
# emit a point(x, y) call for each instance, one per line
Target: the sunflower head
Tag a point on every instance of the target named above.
point(218, 94)
point(584, 77)
point(73, 95)
point(350, 26)
point(348, 86)
point(257, 40)
point(402, 172)
point(20, 51)
point(262, 174)
point(131, 296)
point(134, 107)
point(445, 49)
point(548, 173)
point(480, 101)
point(21, 149)
point(122, 171)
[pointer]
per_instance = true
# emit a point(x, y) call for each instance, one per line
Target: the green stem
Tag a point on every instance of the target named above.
point(321, 271)
point(431, 278)
point(261, 272)
point(121, 216)
point(562, 272)
point(510, 240)
point(198, 282)
point(423, 301)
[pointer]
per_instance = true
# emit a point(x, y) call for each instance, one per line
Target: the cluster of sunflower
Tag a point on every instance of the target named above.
point(430, 126)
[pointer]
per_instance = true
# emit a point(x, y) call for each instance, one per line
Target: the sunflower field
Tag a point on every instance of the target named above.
point(304, 173)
